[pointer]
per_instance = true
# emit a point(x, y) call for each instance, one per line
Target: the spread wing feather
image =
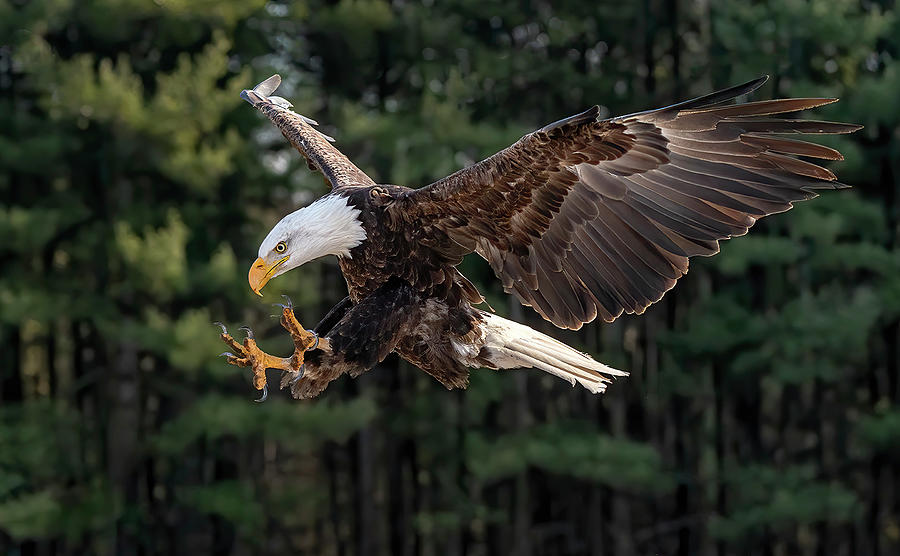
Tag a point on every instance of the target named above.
point(589, 217)
point(314, 145)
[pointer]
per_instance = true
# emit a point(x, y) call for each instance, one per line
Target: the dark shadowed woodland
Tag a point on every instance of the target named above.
point(763, 412)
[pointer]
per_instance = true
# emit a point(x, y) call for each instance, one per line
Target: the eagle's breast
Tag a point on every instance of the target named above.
point(396, 247)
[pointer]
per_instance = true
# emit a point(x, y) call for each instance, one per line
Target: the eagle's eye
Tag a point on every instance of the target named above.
point(280, 247)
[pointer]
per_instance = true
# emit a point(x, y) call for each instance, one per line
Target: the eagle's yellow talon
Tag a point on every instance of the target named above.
point(248, 353)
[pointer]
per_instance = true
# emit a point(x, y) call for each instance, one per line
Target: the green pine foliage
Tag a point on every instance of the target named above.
point(767, 500)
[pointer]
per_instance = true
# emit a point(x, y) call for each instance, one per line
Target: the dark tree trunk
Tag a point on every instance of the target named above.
point(11, 387)
point(364, 507)
point(123, 438)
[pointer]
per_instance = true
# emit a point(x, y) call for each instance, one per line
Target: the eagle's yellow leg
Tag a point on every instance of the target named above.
point(248, 354)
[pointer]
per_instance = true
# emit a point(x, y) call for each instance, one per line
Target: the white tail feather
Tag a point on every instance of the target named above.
point(510, 345)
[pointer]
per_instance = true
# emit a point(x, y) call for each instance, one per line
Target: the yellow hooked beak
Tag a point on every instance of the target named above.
point(260, 273)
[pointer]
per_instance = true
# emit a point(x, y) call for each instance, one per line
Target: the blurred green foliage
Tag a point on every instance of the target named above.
point(763, 410)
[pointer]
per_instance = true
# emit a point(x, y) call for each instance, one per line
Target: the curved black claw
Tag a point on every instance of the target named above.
point(265, 394)
point(287, 299)
point(248, 331)
point(298, 374)
point(222, 326)
point(227, 354)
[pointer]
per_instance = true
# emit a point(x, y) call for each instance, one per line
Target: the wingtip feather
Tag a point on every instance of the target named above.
point(263, 90)
point(267, 86)
point(251, 97)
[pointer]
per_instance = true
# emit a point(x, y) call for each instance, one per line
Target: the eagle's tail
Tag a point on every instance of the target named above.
point(510, 345)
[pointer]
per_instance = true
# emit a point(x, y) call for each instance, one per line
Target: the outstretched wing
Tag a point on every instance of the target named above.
point(588, 217)
point(313, 145)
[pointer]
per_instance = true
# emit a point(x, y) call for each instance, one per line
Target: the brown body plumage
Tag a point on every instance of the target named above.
point(582, 218)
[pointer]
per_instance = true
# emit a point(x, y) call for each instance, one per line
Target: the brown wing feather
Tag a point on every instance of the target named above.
point(315, 146)
point(589, 217)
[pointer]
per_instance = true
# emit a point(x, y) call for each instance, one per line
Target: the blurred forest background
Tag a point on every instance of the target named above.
point(763, 411)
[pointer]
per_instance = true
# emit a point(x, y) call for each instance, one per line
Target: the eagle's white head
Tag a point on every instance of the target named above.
point(329, 226)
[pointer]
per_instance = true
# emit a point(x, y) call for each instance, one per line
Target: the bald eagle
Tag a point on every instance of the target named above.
point(583, 218)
